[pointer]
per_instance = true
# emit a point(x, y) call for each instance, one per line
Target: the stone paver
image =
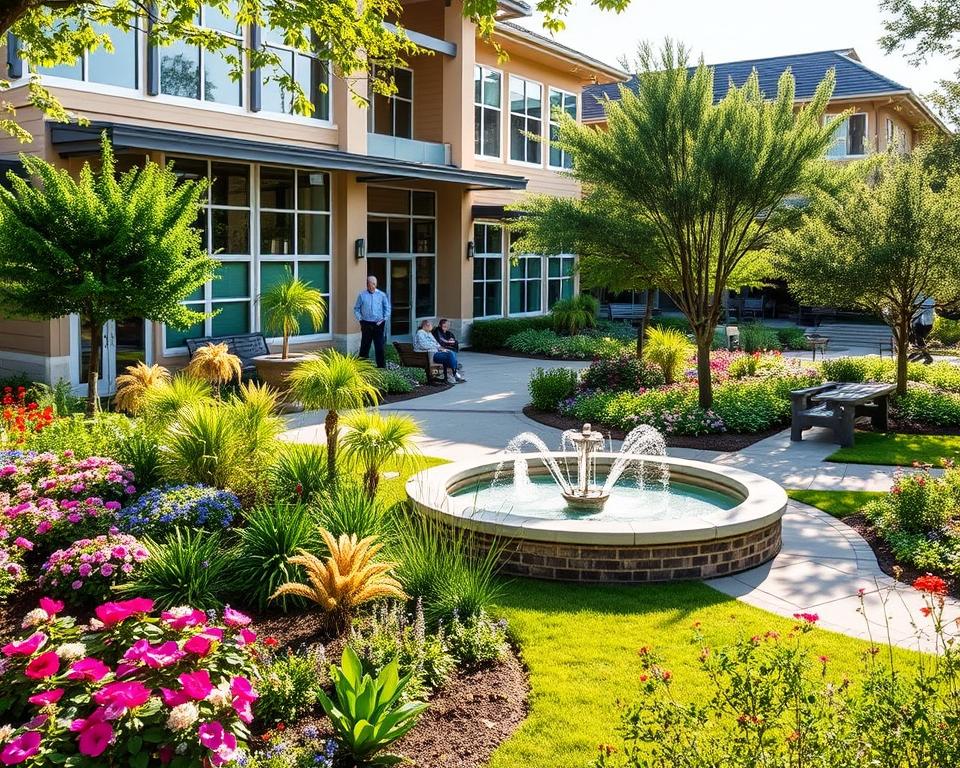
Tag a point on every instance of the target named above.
point(823, 562)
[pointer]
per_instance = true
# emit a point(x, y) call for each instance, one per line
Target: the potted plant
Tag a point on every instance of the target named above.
point(284, 305)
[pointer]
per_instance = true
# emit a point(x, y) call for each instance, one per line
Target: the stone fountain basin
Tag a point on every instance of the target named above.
point(697, 547)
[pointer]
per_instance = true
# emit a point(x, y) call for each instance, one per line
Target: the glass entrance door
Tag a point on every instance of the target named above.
point(123, 343)
point(395, 278)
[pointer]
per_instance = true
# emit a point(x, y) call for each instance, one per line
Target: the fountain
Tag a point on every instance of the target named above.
point(587, 513)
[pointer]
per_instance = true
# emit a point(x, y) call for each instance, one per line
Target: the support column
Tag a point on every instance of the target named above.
point(349, 273)
point(458, 84)
point(454, 271)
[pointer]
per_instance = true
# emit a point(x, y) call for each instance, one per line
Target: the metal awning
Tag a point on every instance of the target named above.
point(494, 212)
point(78, 140)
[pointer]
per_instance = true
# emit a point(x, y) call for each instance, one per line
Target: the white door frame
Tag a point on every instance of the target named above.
point(107, 383)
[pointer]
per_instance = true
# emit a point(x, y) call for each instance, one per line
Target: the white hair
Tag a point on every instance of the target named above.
point(372, 279)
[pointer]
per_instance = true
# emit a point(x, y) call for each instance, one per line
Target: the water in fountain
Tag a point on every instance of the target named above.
point(640, 441)
point(521, 478)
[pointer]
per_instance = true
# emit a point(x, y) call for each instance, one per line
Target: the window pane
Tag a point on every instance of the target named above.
point(516, 268)
point(403, 121)
point(478, 269)
point(388, 200)
point(272, 97)
point(478, 310)
point(553, 267)
point(180, 70)
point(317, 273)
point(494, 269)
point(477, 84)
point(567, 290)
point(423, 203)
point(516, 297)
point(118, 68)
point(491, 89)
point(234, 282)
point(313, 234)
point(425, 282)
point(404, 81)
point(533, 147)
point(196, 295)
point(570, 105)
point(553, 292)
point(218, 86)
point(311, 74)
point(313, 191)
point(231, 184)
point(518, 150)
point(376, 236)
point(491, 132)
point(276, 232)
point(234, 317)
point(187, 168)
point(533, 296)
point(494, 298)
point(556, 101)
point(216, 19)
point(858, 130)
point(516, 95)
point(176, 338)
point(273, 272)
point(424, 237)
point(231, 231)
point(534, 267)
point(495, 239)
point(477, 131)
point(382, 115)
point(399, 236)
point(276, 188)
point(534, 106)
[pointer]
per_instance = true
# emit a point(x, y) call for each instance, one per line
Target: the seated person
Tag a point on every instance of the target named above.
point(445, 337)
point(424, 342)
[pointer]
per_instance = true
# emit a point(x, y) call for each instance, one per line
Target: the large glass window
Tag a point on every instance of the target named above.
point(184, 67)
point(526, 117)
point(560, 102)
point(118, 68)
point(559, 279)
point(526, 281)
point(849, 138)
point(309, 71)
point(487, 270)
point(393, 115)
point(487, 88)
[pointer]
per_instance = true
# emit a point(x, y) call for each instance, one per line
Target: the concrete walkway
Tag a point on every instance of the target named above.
point(823, 562)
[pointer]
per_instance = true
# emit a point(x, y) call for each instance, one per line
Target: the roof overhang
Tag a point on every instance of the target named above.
point(539, 46)
point(71, 140)
point(481, 212)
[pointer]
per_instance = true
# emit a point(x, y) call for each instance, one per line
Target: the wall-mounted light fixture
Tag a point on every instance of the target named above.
point(470, 249)
point(360, 248)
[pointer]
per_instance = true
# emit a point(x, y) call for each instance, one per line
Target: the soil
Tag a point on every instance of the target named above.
point(726, 441)
point(885, 557)
point(421, 390)
point(906, 427)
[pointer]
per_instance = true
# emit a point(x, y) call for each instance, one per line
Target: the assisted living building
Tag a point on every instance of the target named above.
point(411, 189)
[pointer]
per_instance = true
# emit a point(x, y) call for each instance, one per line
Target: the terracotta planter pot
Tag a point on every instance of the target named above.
point(273, 370)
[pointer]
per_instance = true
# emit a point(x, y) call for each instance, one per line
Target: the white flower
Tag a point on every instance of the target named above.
point(34, 617)
point(221, 695)
point(70, 651)
point(180, 611)
point(6, 731)
point(96, 625)
point(182, 716)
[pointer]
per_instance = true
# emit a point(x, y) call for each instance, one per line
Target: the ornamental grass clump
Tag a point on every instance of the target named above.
point(215, 364)
point(87, 570)
point(194, 506)
point(135, 383)
point(669, 350)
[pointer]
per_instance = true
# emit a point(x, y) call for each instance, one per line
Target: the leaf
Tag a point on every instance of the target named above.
point(134, 743)
point(140, 760)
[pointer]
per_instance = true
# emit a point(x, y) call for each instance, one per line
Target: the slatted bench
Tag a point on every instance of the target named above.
point(410, 358)
point(632, 313)
point(246, 346)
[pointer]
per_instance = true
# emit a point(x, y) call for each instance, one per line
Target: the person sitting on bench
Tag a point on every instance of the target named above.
point(424, 342)
point(445, 337)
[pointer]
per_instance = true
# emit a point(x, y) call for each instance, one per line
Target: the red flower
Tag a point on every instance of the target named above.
point(930, 585)
point(926, 610)
point(270, 641)
point(810, 618)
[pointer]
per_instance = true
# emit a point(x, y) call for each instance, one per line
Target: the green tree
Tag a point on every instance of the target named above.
point(373, 440)
point(103, 246)
point(288, 302)
point(884, 242)
point(684, 192)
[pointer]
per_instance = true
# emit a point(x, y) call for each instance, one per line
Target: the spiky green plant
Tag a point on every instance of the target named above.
point(570, 316)
point(371, 439)
point(270, 536)
point(286, 302)
point(334, 382)
point(298, 471)
point(253, 411)
point(134, 384)
point(204, 445)
point(348, 508)
point(161, 404)
point(669, 350)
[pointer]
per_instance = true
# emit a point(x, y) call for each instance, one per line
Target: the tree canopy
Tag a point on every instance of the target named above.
point(884, 241)
point(101, 245)
point(683, 191)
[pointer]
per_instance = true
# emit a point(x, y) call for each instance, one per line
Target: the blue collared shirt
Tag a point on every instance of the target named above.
point(372, 307)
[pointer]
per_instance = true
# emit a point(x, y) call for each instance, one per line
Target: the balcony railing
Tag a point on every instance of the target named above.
point(411, 150)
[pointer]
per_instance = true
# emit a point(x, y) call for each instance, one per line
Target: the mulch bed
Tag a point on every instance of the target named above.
point(885, 557)
point(906, 427)
point(421, 390)
point(726, 441)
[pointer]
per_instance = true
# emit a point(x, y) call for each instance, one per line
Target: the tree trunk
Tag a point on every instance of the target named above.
point(286, 346)
point(704, 382)
point(332, 427)
point(901, 339)
point(372, 482)
point(641, 331)
point(645, 322)
point(93, 369)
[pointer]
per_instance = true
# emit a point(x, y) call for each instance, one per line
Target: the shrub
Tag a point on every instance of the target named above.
point(549, 387)
point(44, 525)
point(188, 568)
point(299, 471)
point(755, 337)
point(947, 332)
point(102, 435)
point(196, 506)
point(12, 572)
point(348, 509)
point(289, 684)
point(389, 634)
point(272, 534)
point(742, 366)
point(142, 454)
point(392, 382)
point(477, 639)
point(942, 375)
point(623, 374)
point(926, 405)
point(185, 696)
point(416, 375)
point(88, 569)
point(64, 477)
point(669, 350)
point(792, 337)
point(757, 404)
point(491, 335)
point(533, 342)
point(160, 404)
point(586, 347)
point(20, 418)
point(570, 316)
point(204, 445)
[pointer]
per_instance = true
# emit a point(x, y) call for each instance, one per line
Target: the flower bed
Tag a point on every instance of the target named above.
point(196, 506)
point(88, 569)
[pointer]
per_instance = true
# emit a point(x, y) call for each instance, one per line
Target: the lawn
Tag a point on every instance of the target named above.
point(393, 490)
point(836, 503)
point(898, 449)
point(580, 646)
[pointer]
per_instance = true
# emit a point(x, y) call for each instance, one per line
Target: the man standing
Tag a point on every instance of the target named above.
point(372, 311)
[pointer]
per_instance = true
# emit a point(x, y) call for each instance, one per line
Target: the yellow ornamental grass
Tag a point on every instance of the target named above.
point(134, 384)
point(215, 364)
point(347, 578)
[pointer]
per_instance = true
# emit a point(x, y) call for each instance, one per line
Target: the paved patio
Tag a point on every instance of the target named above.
point(823, 562)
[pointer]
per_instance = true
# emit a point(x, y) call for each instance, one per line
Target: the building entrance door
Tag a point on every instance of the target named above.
point(395, 278)
point(123, 343)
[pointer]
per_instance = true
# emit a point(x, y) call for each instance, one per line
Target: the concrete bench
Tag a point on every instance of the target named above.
point(837, 407)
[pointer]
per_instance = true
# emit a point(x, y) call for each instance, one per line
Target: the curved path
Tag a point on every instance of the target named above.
point(823, 562)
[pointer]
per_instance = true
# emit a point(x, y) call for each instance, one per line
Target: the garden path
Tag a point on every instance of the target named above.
point(823, 562)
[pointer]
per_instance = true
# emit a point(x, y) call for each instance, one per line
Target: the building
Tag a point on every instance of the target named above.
point(411, 190)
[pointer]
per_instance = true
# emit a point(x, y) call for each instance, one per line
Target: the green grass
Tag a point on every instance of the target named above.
point(836, 503)
point(580, 646)
point(898, 449)
point(393, 490)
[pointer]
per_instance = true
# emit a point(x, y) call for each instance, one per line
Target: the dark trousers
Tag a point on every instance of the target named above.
point(371, 332)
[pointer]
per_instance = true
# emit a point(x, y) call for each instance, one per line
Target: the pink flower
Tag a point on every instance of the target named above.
point(197, 684)
point(243, 696)
point(25, 647)
point(106, 570)
point(51, 606)
point(94, 740)
point(23, 543)
point(246, 636)
point(198, 644)
point(114, 613)
point(88, 669)
point(183, 619)
point(45, 665)
point(46, 697)
point(163, 655)
point(222, 744)
point(126, 695)
point(234, 618)
point(810, 618)
point(22, 748)
point(173, 698)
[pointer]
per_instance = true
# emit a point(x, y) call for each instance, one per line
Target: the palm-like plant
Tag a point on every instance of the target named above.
point(334, 382)
point(204, 445)
point(372, 439)
point(134, 384)
point(215, 364)
point(286, 302)
point(347, 578)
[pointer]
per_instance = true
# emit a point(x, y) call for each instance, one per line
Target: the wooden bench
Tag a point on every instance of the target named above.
point(246, 346)
point(632, 313)
point(410, 358)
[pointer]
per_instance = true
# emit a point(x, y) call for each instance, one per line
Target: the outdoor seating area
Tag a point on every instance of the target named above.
point(837, 407)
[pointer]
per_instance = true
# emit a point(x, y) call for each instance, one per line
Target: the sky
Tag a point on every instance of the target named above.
point(733, 30)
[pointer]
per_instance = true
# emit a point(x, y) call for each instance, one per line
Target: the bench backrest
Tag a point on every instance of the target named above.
point(627, 311)
point(245, 346)
point(409, 356)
